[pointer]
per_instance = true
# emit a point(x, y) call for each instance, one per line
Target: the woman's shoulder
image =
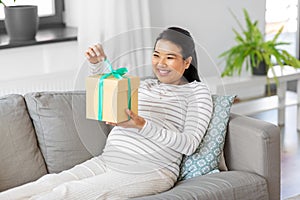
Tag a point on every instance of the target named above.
point(199, 88)
point(197, 85)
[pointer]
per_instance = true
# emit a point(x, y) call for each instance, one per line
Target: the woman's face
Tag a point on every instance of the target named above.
point(168, 64)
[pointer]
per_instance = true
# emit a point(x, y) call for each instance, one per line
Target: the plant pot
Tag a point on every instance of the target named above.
point(260, 70)
point(21, 22)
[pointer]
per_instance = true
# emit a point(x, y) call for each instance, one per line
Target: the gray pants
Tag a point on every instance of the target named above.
point(92, 180)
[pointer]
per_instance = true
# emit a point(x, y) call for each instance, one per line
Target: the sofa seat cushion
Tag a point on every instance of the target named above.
point(21, 159)
point(65, 136)
point(233, 185)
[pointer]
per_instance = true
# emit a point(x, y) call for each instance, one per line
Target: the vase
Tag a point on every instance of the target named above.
point(21, 22)
point(260, 70)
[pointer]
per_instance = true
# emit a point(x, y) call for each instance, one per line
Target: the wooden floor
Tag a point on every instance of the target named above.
point(290, 150)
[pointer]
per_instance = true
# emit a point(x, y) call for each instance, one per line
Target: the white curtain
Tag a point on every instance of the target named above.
point(123, 28)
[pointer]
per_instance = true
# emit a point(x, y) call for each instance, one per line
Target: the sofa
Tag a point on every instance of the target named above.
point(47, 132)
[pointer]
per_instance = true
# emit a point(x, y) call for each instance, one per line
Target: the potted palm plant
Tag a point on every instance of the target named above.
point(21, 22)
point(252, 51)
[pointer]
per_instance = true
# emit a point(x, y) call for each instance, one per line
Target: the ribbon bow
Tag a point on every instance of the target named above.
point(118, 74)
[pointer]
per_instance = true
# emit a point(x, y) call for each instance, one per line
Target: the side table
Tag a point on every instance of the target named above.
point(250, 88)
point(285, 74)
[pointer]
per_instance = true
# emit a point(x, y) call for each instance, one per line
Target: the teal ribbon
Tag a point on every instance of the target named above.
point(119, 74)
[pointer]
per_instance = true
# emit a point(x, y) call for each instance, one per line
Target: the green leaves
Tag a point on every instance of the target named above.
point(251, 49)
point(2, 3)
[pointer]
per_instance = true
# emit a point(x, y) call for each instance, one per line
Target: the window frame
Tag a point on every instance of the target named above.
point(53, 21)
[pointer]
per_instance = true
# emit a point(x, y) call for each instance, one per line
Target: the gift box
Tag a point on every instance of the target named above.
point(107, 97)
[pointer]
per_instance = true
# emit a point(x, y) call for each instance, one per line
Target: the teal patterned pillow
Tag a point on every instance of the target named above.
point(206, 158)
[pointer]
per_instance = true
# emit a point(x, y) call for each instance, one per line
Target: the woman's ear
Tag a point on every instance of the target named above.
point(187, 62)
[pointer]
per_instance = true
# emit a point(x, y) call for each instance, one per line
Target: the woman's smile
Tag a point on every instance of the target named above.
point(163, 72)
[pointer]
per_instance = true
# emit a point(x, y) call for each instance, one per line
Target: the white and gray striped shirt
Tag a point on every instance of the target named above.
point(177, 117)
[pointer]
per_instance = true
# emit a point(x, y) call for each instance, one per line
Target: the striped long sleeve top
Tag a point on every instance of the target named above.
point(177, 117)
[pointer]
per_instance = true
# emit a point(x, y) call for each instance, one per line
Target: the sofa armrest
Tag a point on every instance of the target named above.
point(254, 145)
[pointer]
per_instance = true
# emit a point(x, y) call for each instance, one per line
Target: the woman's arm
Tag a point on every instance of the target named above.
point(98, 68)
point(198, 116)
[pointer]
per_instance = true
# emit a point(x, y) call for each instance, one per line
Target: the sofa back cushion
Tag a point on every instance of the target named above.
point(206, 158)
point(21, 159)
point(65, 136)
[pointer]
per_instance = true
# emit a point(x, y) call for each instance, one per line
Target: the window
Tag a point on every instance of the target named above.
point(50, 12)
point(283, 13)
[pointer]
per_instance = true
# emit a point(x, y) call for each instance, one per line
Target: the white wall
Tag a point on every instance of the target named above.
point(35, 67)
point(210, 22)
point(41, 67)
point(47, 58)
point(35, 60)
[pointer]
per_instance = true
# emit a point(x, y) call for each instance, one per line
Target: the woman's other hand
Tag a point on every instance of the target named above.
point(134, 122)
point(95, 54)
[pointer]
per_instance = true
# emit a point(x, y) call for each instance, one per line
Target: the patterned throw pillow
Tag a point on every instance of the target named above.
point(206, 158)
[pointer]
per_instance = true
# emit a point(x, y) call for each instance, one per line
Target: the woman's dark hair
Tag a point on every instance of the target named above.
point(183, 39)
